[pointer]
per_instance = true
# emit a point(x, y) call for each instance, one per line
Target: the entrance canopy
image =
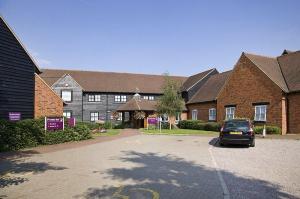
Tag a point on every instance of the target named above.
point(138, 105)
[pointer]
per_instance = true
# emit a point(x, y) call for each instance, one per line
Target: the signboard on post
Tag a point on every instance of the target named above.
point(14, 116)
point(54, 123)
point(152, 120)
point(72, 122)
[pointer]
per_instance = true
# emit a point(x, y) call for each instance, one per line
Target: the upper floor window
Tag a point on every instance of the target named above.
point(194, 114)
point(212, 114)
point(120, 98)
point(67, 114)
point(94, 98)
point(94, 116)
point(146, 97)
point(151, 97)
point(260, 113)
point(66, 95)
point(230, 113)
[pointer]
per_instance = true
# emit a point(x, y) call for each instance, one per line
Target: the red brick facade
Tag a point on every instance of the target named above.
point(46, 101)
point(246, 86)
point(203, 110)
point(294, 113)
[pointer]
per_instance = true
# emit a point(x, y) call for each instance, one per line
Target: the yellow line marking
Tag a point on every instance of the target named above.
point(154, 193)
point(118, 193)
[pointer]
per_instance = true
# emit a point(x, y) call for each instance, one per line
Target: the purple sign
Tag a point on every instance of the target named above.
point(72, 122)
point(54, 123)
point(152, 120)
point(14, 116)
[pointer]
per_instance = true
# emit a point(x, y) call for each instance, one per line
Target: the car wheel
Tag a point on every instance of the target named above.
point(253, 143)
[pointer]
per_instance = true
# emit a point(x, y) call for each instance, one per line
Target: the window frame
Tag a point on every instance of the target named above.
point(230, 112)
point(66, 90)
point(123, 97)
point(260, 119)
point(194, 114)
point(68, 111)
point(93, 116)
point(118, 98)
point(145, 97)
point(151, 98)
point(210, 116)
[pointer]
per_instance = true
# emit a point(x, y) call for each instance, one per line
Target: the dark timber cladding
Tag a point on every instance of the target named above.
point(16, 76)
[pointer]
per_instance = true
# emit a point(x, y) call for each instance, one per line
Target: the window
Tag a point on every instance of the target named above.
point(164, 118)
point(67, 114)
point(178, 117)
point(230, 113)
point(120, 116)
point(194, 114)
point(94, 98)
point(151, 97)
point(260, 113)
point(146, 97)
point(117, 98)
point(94, 116)
point(212, 114)
point(66, 95)
point(123, 98)
point(120, 98)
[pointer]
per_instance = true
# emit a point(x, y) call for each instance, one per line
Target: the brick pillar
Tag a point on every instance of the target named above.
point(284, 115)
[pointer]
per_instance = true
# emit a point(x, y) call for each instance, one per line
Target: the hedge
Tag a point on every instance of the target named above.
point(199, 125)
point(30, 133)
point(269, 130)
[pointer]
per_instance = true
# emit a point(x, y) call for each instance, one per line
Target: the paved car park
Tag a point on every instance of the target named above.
point(156, 166)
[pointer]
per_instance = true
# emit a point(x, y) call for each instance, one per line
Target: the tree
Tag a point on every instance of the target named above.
point(170, 102)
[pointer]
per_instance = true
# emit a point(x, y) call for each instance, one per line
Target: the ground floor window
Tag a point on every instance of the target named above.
point(94, 116)
point(260, 113)
point(120, 116)
point(67, 114)
point(178, 117)
point(212, 114)
point(230, 113)
point(194, 114)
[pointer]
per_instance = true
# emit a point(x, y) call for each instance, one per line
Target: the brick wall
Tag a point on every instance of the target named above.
point(246, 85)
point(202, 108)
point(46, 101)
point(294, 113)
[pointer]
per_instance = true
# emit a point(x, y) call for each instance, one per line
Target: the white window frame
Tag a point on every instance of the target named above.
point(91, 98)
point(195, 114)
point(97, 98)
point(94, 116)
point(212, 114)
point(230, 113)
point(260, 113)
point(151, 98)
point(177, 117)
point(123, 98)
point(120, 116)
point(117, 98)
point(67, 114)
point(145, 97)
point(68, 97)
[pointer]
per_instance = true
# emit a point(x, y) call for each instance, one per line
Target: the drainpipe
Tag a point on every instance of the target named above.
point(81, 106)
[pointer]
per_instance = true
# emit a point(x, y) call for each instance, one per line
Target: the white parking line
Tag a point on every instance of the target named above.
point(221, 179)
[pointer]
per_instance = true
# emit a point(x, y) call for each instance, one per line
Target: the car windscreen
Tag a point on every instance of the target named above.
point(236, 126)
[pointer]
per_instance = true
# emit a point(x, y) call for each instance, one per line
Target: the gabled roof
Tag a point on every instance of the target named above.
point(290, 67)
point(270, 66)
point(194, 79)
point(138, 105)
point(95, 81)
point(210, 90)
point(3, 22)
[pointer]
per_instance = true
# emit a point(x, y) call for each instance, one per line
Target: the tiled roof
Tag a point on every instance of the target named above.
point(192, 80)
point(270, 66)
point(210, 90)
point(93, 81)
point(138, 105)
point(290, 67)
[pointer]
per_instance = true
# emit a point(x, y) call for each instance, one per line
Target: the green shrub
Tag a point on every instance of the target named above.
point(269, 130)
point(90, 125)
point(108, 125)
point(119, 126)
point(30, 133)
point(199, 125)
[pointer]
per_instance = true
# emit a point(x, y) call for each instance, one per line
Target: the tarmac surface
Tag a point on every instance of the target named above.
point(155, 166)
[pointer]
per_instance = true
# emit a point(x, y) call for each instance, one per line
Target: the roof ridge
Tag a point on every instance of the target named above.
point(76, 70)
point(291, 53)
point(259, 55)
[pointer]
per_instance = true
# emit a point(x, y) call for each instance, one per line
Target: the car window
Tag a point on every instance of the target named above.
point(236, 126)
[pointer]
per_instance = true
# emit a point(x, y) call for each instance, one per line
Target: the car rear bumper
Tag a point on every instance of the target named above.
point(236, 140)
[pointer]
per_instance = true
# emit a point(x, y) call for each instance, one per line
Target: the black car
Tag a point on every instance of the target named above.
point(237, 131)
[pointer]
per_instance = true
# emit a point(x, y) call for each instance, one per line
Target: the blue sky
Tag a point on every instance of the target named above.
point(152, 36)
